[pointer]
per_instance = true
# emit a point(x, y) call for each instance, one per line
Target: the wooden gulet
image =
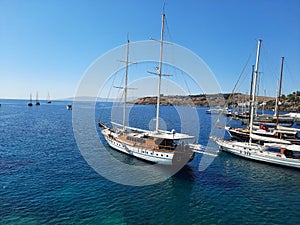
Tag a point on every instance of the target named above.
point(159, 146)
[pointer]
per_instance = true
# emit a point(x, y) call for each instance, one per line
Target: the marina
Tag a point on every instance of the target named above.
point(161, 112)
point(48, 182)
point(282, 151)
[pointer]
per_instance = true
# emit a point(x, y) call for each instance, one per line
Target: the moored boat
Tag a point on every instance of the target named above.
point(30, 101)
point(37, 102)
point(48, 99)
point(163, 147)
point(279, 152)
point(263, 134)
point(157, 146)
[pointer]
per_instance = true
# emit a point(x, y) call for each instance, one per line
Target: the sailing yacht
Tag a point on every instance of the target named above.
point(262, 134)
point(275, 153)
point(30, 101)
point(48, 99)
point(37, 100)
point(158, 146)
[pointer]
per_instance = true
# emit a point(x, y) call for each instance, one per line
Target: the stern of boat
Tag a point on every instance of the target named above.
point(183, 154)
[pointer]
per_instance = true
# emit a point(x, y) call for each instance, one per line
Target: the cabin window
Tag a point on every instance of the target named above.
point(270, 149)
point(134, 139)
point(296, 154)
point(167, 156)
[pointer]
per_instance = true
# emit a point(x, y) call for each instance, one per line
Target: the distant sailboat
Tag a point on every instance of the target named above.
point(37, 100)
point(30, 101)
point(48, 99)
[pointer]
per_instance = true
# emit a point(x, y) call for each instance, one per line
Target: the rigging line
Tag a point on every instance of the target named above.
point(270, 66)
point(119, 104)
point(266, 54)
point(119, 96)
point(168, 30)
point(234, 88)
point(114, 76)
point(247, 75)
point(186, 84)
point(107, 96)
point(289, 78)
point(243, 70)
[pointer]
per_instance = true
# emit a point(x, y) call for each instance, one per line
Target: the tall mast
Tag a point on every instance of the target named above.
point(160, 72)
point(279, 92)
point(250, 95)
point(125, 86)
point(254, 89)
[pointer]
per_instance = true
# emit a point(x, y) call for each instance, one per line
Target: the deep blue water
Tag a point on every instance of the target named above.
point(45, 180)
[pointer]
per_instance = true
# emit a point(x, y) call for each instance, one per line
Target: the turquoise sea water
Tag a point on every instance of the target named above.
point(45, 180)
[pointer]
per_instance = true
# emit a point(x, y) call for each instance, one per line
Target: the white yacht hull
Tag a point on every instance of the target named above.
point(151, 156)
point(254, 152)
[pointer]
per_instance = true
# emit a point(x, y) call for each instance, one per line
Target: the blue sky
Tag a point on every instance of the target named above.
point(46, 46)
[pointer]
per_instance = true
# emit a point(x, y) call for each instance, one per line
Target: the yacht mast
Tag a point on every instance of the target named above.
point(125, 86)
point(254, 89)
point(279, 93)
point(160, 72)
point(250, 96)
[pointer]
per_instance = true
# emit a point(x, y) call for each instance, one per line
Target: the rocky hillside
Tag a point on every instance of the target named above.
point(211, 100)
point(290, 102)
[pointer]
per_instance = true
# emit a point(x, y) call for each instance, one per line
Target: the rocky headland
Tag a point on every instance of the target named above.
point(290, 102)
